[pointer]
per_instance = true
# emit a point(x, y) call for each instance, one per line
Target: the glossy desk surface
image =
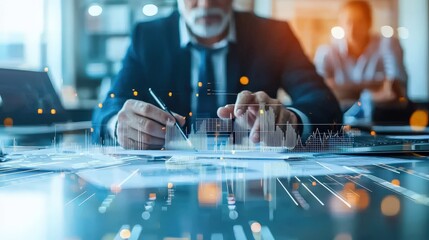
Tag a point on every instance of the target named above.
point(372, 198)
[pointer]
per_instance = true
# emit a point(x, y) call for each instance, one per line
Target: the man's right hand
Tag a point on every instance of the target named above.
point(142, 125)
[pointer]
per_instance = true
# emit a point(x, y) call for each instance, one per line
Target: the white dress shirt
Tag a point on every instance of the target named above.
point(218, 61)
point(382, 59)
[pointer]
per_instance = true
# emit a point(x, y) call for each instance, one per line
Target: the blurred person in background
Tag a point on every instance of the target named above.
point(361, 61)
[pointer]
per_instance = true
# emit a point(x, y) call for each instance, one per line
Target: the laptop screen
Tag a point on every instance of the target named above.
point(28, 98)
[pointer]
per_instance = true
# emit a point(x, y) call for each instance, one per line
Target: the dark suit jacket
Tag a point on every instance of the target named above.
point(266, 51)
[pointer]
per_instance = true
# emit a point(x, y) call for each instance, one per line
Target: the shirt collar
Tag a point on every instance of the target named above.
point(343, 47)
point(186, 36)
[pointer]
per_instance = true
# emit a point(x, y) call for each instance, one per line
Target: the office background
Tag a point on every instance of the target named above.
point(82, 42)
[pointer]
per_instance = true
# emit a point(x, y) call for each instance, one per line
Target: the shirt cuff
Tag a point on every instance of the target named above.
point(111, 126)
point(306, 128)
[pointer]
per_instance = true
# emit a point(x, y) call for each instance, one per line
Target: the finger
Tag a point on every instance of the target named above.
point(141, 124)
point(255, 131)
point(244, 98)
point(181, 119)
point(287, 117)
point(141, 137)
point(149, 111)
point(273, 103)
point(127, 134)
point(128, 143)
point(253, 110)
point(262, 97)
point(251, 120)
point(122, 132)
point(152, 128)
point(131, 144)
point(245, 121)
point(226, 111)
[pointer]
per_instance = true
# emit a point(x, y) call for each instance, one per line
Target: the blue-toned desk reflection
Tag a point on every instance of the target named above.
point(66, 191)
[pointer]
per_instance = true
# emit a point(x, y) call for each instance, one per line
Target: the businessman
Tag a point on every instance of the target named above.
point(206, 60)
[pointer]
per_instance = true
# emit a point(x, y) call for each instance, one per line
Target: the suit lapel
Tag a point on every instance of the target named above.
point(233, 72)
point(180, 74)
point(183, 83)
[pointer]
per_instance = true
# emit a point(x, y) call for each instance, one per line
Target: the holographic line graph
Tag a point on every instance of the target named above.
point(215, 134)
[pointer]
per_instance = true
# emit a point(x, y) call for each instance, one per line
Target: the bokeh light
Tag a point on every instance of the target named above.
point(387, 31)
point(170, 94)
point(347, 128)
point(209, 194)
point(100, 105)
point(135, 93)
point(95, 10)
point(53, 111)
point(362, 199)
point(8, 122)
point(359, 200)
point(349, 186)
point(125, 233)
point(145, 215)
point(396, 182)
point(419, 120)
point(244, 80)
point(102, 209)
point(233, 215)
point(39, 111)
point(403, 33)
point(295, 186)
point(256, 227)
point(150, 10)
point(152, 196)
point(337, 32)
point(115, 188)
point(390, 206)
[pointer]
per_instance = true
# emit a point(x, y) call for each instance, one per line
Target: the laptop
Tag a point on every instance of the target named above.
point(388, 139)
point(388, 144)
point(29, 98)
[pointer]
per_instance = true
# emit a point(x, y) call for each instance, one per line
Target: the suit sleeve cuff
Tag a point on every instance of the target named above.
point(111, 126)
point(306, 127)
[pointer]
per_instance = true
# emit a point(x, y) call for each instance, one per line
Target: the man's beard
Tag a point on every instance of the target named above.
point(195, 22)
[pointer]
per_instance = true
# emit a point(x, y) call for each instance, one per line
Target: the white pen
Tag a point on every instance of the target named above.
point(164, 107)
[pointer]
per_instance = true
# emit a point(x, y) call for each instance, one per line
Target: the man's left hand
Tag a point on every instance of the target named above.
point(250, 102)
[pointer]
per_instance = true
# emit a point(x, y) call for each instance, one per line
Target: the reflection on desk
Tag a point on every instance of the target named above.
point(44, 129)
point(330, 197)
point(45, 135)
